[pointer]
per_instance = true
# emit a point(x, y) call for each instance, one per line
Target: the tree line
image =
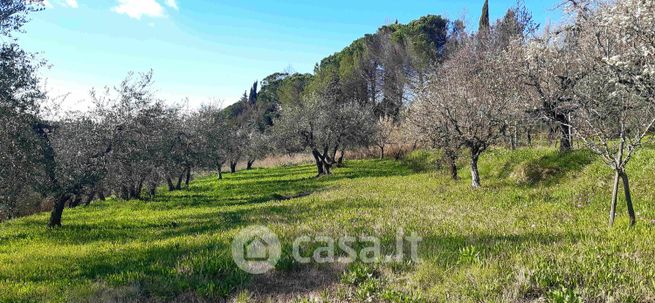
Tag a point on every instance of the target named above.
point(591, 77)
point(430, 83)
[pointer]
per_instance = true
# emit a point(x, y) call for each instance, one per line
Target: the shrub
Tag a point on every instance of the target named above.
point(530, 173)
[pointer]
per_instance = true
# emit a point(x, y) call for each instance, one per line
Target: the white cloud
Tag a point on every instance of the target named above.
point(172, 4)
point(139, 8)
point(72, 3)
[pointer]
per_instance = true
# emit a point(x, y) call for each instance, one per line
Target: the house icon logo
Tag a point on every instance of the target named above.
point(256, 250)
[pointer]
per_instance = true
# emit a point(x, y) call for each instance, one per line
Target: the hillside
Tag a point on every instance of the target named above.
point(538, 229)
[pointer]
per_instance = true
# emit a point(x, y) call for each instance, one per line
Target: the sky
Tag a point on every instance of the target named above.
point(211, 51)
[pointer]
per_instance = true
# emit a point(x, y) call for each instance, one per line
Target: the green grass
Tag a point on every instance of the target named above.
point(517, 239)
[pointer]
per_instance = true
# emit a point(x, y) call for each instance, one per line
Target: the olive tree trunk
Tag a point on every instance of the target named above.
point(125, 193)
point(152, 189)
point(319, 162)
point(138, 189)
point(187, 179)
point(178, 186)
point(89, 198)
point(169, 182)
point(57, 211)
point(76, 201)
point(340, 160)
point(327, 161)
point(101, 194)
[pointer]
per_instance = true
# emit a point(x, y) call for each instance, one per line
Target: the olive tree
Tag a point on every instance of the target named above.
point(20, 118)
point(213, 138)
point(258, 147)
point(76, 154)
point(323, 125)
point(136, 124)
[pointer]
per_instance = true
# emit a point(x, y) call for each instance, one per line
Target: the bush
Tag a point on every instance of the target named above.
point(530, 173)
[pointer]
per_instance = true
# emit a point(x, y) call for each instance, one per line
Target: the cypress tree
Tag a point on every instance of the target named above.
point(484, 19)
point(252, 97)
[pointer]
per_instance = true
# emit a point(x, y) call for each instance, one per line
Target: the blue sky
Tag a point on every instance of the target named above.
point(214, 49)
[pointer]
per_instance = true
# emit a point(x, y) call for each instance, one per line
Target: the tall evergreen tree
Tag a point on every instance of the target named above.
point(484, 19)
point(252, 97)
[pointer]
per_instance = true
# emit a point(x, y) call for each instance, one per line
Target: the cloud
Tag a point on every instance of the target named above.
point(72, 3)
point(139, 8)
point(172, 4)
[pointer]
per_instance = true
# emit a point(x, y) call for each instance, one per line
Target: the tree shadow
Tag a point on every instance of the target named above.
point(153, 244)
point(256, 173)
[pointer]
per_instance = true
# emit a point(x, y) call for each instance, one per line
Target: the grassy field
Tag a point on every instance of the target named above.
point(537, 231)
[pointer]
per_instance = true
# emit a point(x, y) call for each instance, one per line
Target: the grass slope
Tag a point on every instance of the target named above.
point(537, 230)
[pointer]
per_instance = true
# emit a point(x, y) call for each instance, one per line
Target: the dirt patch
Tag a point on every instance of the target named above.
point(307, 282)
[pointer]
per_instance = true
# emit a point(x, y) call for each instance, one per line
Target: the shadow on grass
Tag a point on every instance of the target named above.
point(166, 246)
point(165, 271)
